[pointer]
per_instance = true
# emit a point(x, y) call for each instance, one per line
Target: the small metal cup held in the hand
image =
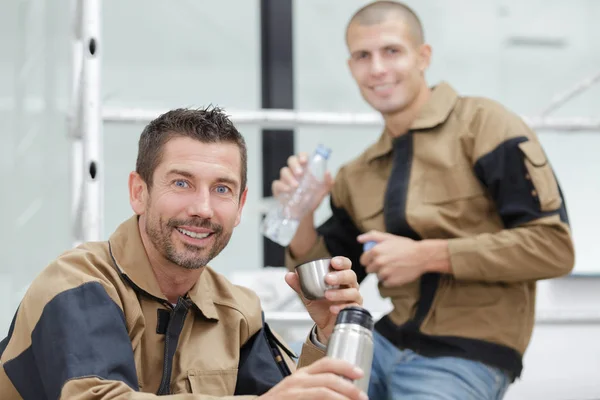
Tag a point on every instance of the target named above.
point(312, 278)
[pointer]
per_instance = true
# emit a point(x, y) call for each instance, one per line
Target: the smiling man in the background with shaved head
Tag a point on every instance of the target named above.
point(455, 208)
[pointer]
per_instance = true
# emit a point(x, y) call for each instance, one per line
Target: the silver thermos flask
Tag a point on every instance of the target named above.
point(352, 341)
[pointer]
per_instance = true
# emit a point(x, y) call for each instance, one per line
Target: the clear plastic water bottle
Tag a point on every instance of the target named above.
point(281, 222)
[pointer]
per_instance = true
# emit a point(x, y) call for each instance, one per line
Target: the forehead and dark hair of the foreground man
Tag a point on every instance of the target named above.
point(207, 125)
point(380, 11)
